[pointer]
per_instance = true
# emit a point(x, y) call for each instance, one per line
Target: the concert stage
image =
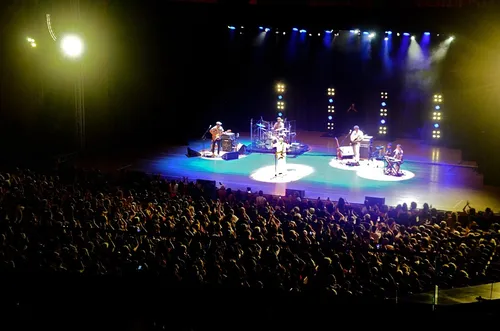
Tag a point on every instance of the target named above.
point(432, 174)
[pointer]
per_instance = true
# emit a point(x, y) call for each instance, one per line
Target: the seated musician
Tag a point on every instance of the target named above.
point(216, 132)
point(278, 127)
point(398, 155)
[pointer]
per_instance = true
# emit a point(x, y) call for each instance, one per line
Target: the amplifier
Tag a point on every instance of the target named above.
point(347, 151)
point(227, 145)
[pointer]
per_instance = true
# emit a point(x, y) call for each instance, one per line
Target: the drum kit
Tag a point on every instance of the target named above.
point(265, 136)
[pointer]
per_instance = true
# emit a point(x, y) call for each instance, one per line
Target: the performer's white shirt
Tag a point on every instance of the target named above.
point(398, 154)
point(281, 147)
point(357, 135)
point(217, 130)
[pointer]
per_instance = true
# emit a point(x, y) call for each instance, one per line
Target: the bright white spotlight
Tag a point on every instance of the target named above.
point(371, 35)
point(72, 46)
point(386, 38)
point(33, 44)
point(412, 37)
point(451, 38)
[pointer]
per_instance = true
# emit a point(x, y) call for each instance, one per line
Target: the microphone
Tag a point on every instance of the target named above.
point(350, 131)
point(210, 126)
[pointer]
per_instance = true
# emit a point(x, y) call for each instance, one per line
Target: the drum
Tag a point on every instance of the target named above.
point(269, 143)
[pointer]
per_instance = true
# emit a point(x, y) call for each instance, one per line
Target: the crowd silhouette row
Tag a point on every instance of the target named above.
point(90, 223)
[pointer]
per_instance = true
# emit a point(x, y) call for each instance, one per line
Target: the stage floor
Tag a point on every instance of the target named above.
point(435, 175)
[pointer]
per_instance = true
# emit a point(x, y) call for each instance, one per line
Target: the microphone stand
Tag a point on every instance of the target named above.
point(204, 138)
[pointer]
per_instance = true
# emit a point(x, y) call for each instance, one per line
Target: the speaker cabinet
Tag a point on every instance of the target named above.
point(227, 145)
point(231, 156)
point(192, 153)
point(301, 193)
point(347, 152)
point(241, 149)
point(372, 201)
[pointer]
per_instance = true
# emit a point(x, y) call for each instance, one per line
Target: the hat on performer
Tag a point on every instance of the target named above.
point(218, 123)
point(356, 127)
point(279, 119)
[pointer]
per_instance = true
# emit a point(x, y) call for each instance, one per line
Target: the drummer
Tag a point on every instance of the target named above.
point(279, 127)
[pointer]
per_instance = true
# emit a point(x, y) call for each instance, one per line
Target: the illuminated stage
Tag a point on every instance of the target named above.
point(432, 174)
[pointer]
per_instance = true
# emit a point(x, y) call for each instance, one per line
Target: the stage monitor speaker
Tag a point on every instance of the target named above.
point(192, 153)
point(300, 193)
point(347, 151)
point(241, 149)
point(231, 156)
point(372, 201)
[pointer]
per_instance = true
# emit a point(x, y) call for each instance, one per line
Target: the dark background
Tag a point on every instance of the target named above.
point(160, 73)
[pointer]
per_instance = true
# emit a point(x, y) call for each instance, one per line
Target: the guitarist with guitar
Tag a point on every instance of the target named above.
point(217, 131)
point(356, 138)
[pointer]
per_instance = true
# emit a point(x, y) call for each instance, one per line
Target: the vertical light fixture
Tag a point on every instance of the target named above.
point(280, 102)
point(437, 108)
point(382, 126)
point(330, 123)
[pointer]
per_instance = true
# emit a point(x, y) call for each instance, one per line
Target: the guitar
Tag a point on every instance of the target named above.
point(339, 151)
point(217, 135)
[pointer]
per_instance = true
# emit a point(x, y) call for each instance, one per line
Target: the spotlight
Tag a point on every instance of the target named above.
point(406, 34)
point(389, 32)
point(302, 31)
point(231, 27)
point(371, 35)
point(280, 114)
point(386, 38)
point(437, 107)
point(267, 29)
point(280, 88)
point(382, 121)
point(261, 28)
point(436, 125)
point(331, 91)
point(330, 117)
point(295, 29)
point(451, 38)
point(330, 100)
point(412, 37)
point(383, 104)
point(280, 97)
point(427, 33)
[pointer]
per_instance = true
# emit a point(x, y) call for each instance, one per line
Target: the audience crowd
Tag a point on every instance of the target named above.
point(86, 222)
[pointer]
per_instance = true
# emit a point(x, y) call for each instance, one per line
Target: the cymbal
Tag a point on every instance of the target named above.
point(260, 125)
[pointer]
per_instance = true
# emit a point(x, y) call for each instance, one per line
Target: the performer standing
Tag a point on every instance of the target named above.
point(398, 155)
point(280, 156)
point(356, 138)
point(216, 132)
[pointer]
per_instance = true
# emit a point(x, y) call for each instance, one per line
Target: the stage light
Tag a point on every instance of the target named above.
point(382, 130)
point(281, 105)
point(386, 38)
point(310, 34)
point(398, 34)
point(295, 29)
point(328, 31)
point(280, 114)
point(280, 97)
point(30, 40)
point(261, 28)
point(319, 34)
point(33, 44)
point(72, 46)
point(303, 31)
point(389, 32)
point(284, 33)
point(371, 35)
point(412, 37)
point(451, 38)
point(437, 115)
point(427, 33)
point(231, 27)
point(280, 88)
point(406, 34)
point(267, 29)
point(330, 92)
point(277, 32)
